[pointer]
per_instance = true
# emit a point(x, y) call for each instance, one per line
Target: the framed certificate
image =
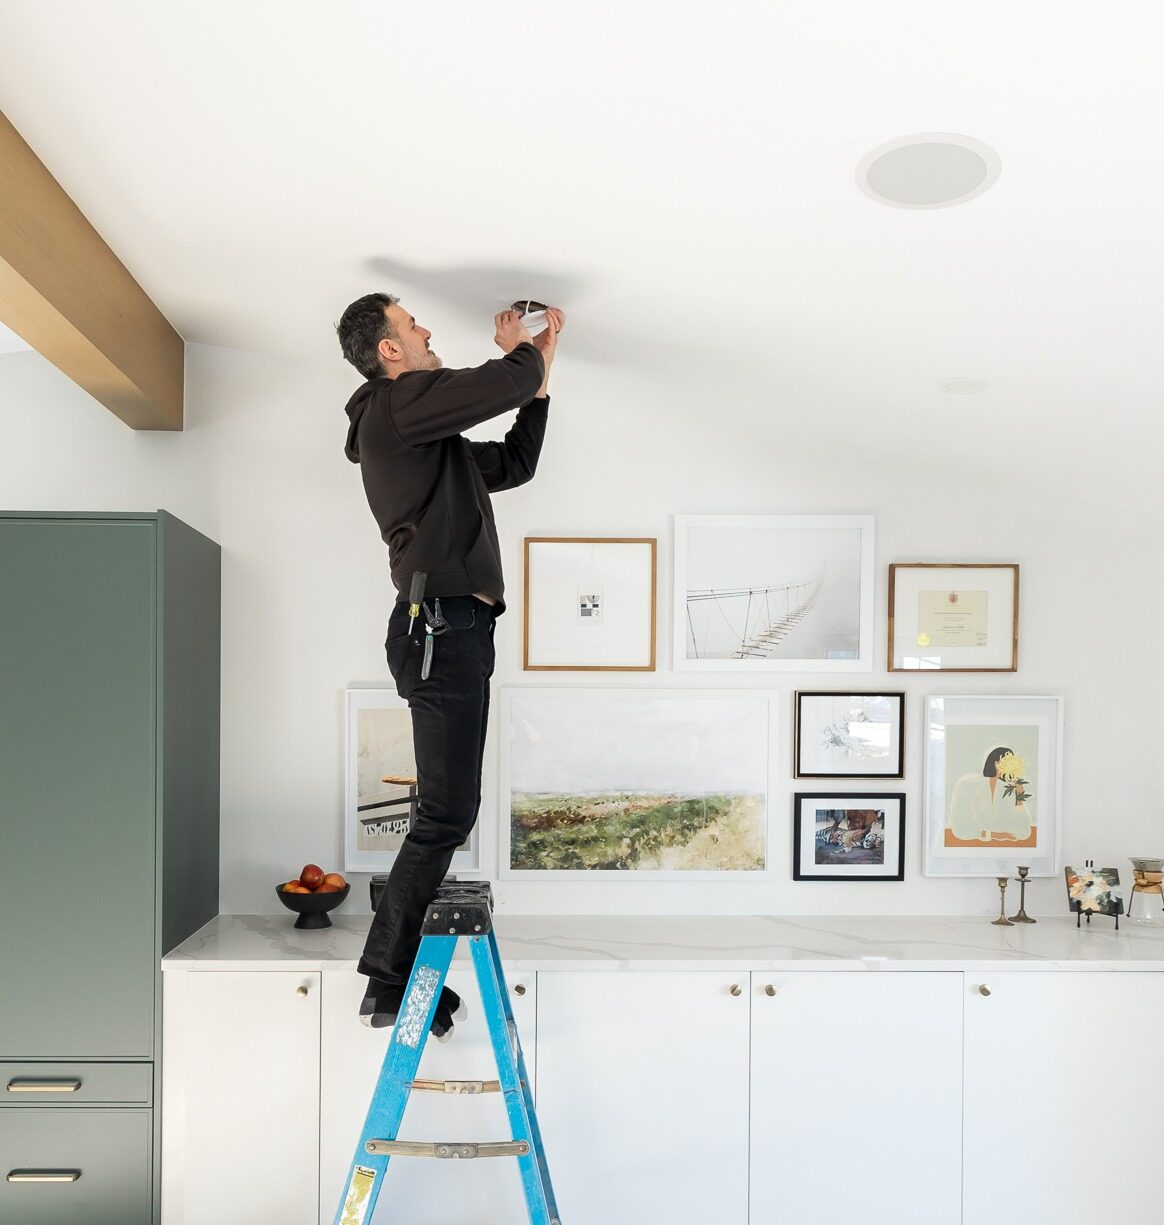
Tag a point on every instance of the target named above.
point(960, 617)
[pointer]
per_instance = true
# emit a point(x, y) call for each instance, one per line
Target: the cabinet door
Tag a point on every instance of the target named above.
point(1061, 1122)
point(856, 1098)
point(484, 1191)
point(77, 740)
point(643, 1096)
point(240, 1098)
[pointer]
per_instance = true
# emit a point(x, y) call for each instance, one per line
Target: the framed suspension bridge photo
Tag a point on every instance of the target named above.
point(779, 593)
point(660, 784)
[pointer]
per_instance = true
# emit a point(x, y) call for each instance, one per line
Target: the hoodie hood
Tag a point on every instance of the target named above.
point(355, 409)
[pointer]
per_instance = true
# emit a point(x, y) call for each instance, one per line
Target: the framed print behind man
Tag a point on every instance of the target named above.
point(993, 770)
point(756, 593)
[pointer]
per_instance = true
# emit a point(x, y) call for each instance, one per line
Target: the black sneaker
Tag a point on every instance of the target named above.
point(382, 1001)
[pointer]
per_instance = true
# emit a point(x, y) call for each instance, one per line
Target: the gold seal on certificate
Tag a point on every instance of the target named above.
point(953, 618)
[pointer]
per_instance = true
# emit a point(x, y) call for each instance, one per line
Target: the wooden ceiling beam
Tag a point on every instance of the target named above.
point(64, 292)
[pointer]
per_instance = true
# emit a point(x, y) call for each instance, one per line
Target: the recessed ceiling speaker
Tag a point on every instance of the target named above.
point(928, 170)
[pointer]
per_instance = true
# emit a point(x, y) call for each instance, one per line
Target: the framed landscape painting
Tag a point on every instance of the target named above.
point(764, 593)
point(646, 783)
point(380, 793)
point(993, 784)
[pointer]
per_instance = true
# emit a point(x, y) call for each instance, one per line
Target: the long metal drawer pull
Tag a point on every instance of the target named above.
point(452, 1150)
point(457, 1086)
point(24, 1084)
point(43, 1175)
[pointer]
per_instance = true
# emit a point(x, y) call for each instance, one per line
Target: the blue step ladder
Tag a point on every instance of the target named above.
point(459, 909)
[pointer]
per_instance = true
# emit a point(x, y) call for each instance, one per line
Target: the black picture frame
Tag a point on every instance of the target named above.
point(855, 800)
point(897, 694)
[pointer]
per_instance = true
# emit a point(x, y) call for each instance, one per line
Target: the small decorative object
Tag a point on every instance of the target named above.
point(590, 604)
point(1002, 920)
point(1147, 878)
point(849, 837)
point(993, 784)
point(1022, 916)
point(1093, 890)
point(381, 792)
point(770, 593)
point(961, 617)
point(850, 735)
point(312, 894)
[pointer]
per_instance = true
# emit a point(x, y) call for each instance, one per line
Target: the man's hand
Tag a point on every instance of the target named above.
point(546, 342)
point(510, 331)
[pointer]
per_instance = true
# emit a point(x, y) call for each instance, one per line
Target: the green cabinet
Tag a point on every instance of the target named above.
point(109, 729)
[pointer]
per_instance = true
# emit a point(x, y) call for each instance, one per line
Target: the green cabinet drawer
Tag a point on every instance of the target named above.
point(62, 1167)
point(76, 1084)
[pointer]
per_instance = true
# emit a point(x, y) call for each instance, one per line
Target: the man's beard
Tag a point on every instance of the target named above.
point(426, 359)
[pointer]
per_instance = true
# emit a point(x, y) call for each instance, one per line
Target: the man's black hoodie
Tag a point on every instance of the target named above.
point(427, 486)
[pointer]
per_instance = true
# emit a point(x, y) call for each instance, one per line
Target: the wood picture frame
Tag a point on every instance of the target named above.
point(590, 604)
point(953, 636)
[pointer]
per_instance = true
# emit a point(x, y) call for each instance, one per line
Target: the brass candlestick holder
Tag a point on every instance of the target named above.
point(1002, 920)
point(1022, 916)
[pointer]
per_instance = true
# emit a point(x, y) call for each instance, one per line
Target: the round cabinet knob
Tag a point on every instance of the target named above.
point(301, 992)
point(769, 990)
point(983, 989)
point(736, 989)
point(519, 989)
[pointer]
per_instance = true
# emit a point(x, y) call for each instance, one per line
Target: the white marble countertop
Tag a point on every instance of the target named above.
point(687, 942)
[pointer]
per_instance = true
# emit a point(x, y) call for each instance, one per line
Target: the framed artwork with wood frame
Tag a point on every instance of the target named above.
point(953, 617)
point(590, 603)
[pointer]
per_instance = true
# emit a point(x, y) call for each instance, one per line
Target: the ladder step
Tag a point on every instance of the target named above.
point(452, 1150)
point(457, 1086)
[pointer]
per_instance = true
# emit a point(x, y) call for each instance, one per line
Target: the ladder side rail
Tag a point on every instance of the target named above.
point(539, 1195)
point(401, 1061)
point(526, 1090)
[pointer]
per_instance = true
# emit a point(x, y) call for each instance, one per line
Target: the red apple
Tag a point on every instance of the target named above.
point(292, 884)
point(335, 878)
point(312, 876)
point(329, 889)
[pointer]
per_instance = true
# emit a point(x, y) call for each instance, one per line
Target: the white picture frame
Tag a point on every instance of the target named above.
point(620, 749)
point(774, 593)
point(590, 604)
point(966, 819)
point(378, 742)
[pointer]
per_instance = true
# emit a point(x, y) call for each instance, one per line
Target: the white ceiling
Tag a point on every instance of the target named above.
point(678, 176)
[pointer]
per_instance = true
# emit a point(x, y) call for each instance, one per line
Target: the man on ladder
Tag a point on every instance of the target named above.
point(428, 489)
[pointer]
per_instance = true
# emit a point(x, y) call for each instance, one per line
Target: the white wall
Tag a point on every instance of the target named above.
point(306, 596)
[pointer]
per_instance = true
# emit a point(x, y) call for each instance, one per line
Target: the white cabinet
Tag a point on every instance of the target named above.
point(856, 1098)
point(486, 1191)
point(643, 1096)
point(240, 1098)
point(1062, 1123)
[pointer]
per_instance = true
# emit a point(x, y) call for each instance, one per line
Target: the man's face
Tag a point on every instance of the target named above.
point(412, 340)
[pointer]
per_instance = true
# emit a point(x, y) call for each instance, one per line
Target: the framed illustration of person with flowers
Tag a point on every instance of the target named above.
point(993, 783)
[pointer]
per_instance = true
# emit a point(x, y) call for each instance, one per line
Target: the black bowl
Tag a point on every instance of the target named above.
point(312, 908)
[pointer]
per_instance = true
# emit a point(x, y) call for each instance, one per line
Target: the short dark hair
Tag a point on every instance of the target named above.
point(990, 770)
point(361, 328)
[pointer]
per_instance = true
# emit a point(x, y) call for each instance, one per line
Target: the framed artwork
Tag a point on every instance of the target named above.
point(757, 593)
point(380, 793)
point(650, 784)
point(849, 735)
point(1092, 890)
point(590, 604)
point(848, 836)
point(961, 617)
point(993, 785)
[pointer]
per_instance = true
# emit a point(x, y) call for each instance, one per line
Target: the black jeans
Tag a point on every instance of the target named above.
point(449, 714)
